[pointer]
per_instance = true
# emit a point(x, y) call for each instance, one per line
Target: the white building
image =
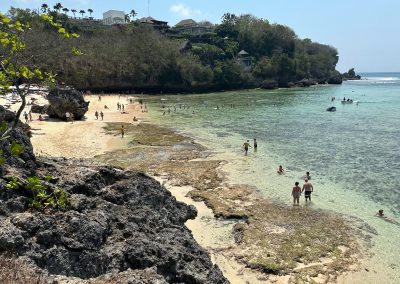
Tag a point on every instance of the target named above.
point(113, 17)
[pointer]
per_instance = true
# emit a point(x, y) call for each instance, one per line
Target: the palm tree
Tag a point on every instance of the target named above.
point(133, 13)
point(90, 12)
point(73, 12)
point(58, 7)
point(44, 7)
point(66, 10)
point(82, 12)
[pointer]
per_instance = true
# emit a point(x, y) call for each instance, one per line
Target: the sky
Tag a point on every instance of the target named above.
point(365, 33)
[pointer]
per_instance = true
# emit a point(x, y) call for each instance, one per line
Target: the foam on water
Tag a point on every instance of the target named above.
point(352, 154)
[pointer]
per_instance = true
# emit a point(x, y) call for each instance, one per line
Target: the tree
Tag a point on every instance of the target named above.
point(82, 12)
point(129, 17)
point(16, 66)
point(65, 10)
point(58, 7)
point(73, 12)
point(44, 8)
point(90, 12)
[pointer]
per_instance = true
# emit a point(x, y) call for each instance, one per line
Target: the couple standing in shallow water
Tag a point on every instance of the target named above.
point(246, 146)
point(297, 191)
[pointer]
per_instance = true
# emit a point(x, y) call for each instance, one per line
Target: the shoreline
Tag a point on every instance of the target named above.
point(223, 257)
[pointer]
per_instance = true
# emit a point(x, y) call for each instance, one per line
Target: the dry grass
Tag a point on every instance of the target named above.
point(13, 271)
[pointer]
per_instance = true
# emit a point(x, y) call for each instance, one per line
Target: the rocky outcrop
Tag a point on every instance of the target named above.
point(20, 135)
point(269, 84)
point(117, 221)
point(39, 108)
point(62, 101)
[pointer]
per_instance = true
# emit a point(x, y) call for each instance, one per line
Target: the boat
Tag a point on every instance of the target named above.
point(331, 109)
point(347, 101)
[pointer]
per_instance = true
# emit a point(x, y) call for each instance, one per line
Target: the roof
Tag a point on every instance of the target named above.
point(151, 20)
point(242, 52)
point(147, 20)
point(187, 22)
point(185, 45)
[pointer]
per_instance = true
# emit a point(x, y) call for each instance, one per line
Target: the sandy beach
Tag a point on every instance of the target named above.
point(83, 138)
point(92, 137)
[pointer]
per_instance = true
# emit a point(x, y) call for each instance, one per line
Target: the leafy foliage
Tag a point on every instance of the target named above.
point(41, 195)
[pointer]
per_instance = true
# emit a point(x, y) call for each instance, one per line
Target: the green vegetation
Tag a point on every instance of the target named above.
point(18, 65)
point(40, 192)
point(137, 57)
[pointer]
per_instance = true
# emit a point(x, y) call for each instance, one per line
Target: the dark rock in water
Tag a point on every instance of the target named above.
point(331, 109)
point(116, 221)
point(39, 109)
point(337, 80)
point(20, 135)
point(306, 83)
point(62, 101)
point(269, 84)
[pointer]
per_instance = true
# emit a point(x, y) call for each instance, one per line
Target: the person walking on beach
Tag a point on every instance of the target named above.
point(296, 192)
point(118, 106)
point(122, 131)
point(101, 115)
point(99, 98)
point(96, 114)
point(67, 116)
point(307, 188)
point(26, 117)
point(246, 146)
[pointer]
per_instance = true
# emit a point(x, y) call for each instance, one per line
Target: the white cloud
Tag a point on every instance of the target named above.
point(184, 11)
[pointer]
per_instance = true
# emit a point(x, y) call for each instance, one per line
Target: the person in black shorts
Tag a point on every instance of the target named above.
point(307, 188)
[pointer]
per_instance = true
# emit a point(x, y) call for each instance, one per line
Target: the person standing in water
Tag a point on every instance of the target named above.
point(307, 188)
point(255, 144)
point(246, 146)
point(296, 192)
point(122, 131)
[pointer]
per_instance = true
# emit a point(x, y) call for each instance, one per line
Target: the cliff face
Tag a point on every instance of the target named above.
point(117, 223)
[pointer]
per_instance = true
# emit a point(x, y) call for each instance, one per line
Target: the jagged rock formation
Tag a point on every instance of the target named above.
point(62, 101)
point(117, 221)
point(20, 136)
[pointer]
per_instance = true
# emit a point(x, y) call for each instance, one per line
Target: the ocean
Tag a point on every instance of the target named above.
point(352, 154)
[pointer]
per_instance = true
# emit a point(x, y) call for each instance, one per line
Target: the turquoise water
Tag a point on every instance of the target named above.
point(353, 154)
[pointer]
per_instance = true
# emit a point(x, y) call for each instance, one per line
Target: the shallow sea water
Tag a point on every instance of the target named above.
point(353, 154)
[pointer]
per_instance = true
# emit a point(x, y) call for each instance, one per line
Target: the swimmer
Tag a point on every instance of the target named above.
point(381, 215)
point(280, 170)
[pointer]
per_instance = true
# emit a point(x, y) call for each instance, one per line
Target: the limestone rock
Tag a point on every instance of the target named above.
point(21, 136)
point(39, 109)
point(62, 101)
point(116, 221)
